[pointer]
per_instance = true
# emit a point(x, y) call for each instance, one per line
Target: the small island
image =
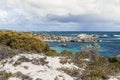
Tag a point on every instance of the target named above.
point(78, 38)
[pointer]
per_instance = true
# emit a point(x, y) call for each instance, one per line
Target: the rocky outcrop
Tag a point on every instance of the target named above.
point(78, 38)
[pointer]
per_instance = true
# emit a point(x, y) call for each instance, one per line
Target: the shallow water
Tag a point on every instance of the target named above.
point(106, 48)
point(109, 45)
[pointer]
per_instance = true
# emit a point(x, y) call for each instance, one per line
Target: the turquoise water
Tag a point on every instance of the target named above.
point(109, 45)
point(106, 49)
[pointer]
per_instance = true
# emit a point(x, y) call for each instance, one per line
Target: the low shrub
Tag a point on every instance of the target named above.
point(23, 41)
point(6, 52)
point(113, 59)
point(118, 58)
point(4, 75)
point(66, 54)
point(20, 60)
point(100, 69)
point(40, 61)
point(51, 53)
point(22, 76)
point(80, 55)
point(91, 51)
point(78, 59)
point(38, 79)
point(63, 60)
point(71, 71)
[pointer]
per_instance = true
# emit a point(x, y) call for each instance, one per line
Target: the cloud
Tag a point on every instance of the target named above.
point(77, 18)
point(3, 16)
point(104, 8)
point(46, 14)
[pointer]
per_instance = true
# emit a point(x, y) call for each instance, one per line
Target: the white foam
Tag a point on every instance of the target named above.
point(117, 35)
point(105, 35)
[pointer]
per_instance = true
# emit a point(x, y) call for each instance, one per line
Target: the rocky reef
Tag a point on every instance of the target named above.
point(78, 38)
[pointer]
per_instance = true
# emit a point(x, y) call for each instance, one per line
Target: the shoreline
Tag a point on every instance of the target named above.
point(78, 38)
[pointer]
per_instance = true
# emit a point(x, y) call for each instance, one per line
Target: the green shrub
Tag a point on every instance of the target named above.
point(101, 61)
point(112, 59)
point(118, 58)
point(20, 60)
point(93, 71)
point(63, 60)
point(40, 61)
point(66, 53)
point(4, 75)
point(51, 53)
point(100, 69)
point(80, 55)
point(23, 41)
point(115, 66)
point(71, 71)
point(38, 79)
point(22, 76)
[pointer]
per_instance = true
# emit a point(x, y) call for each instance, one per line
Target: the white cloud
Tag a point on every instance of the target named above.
point(108, 9)
point(35, 11)
point(3, 16)
point(104, 8)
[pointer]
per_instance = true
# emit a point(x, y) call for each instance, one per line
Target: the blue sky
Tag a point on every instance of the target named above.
point(60, 15)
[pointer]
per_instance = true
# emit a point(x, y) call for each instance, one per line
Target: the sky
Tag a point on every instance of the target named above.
point(60, 15)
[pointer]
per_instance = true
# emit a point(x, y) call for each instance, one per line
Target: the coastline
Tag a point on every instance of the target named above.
point(35, 59)
point(78, 38)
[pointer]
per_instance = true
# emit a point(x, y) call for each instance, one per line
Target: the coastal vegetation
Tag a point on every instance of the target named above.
point(90, 65)
point(6, 52)
point(97, 67)
point(51, 53)
point(66, 53)
point(23, 41)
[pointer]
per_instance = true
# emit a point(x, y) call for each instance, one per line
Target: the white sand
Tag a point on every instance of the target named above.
point(114, 78)
point(44, 72)
point(14, 78)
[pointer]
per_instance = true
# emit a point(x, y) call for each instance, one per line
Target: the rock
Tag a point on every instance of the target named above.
point(78, 38)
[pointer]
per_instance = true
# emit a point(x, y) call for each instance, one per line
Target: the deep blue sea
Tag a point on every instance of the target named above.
point(109, 44)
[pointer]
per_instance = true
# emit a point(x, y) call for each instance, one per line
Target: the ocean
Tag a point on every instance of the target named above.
point(109, 42)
